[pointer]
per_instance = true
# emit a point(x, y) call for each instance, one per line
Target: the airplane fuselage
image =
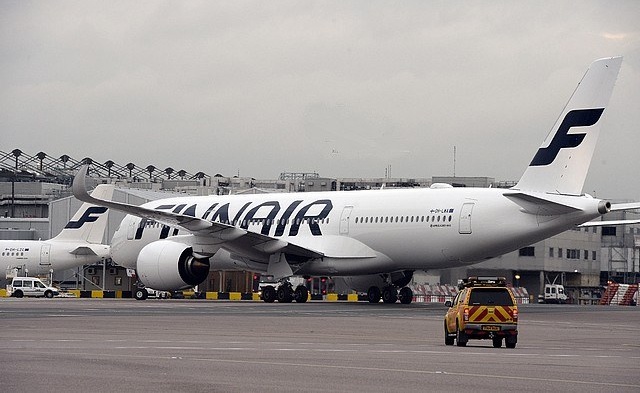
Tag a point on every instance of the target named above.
point(360, 232)
point(37, 257)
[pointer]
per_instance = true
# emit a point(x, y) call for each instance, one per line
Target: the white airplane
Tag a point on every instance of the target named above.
point(374, 239)
point(78, 244)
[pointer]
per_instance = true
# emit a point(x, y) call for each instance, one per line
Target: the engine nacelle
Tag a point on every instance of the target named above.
point(168, 265)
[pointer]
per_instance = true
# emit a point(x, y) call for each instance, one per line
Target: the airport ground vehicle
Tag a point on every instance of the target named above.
point(484, 309)
point(143, 293)
point(30, 286)
point(554, 293)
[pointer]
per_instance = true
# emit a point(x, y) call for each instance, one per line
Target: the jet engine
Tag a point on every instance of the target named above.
point(168, 265)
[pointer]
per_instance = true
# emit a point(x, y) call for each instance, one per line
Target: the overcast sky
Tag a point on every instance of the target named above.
point(343, 88)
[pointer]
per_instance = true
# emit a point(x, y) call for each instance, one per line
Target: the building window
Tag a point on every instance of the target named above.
point(593, 255)
point(550, 252)
point(117, 281)
point(559, 252)
point(608, 231)
point(527, 252)
point(586, 254)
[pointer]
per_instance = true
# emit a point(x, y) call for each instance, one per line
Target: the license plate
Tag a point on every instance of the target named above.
point(491, 328)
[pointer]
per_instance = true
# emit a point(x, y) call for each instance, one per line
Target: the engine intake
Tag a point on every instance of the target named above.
point(168, 265)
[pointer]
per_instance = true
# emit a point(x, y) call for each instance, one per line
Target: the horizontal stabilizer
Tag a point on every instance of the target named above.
point(615, 207)
point(539, 205)
point(608, 223)
point(83, 250)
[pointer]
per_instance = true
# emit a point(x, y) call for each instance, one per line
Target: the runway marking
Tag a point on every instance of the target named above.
point(358, 368)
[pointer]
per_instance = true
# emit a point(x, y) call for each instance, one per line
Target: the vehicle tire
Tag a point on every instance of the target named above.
point(389, 295)
point(373, 294)
point(284, 294)
point(510, 342)
point(497, 342)
point(269, 294)
point(405, 295)
point(18, 294)
point(48, 294)
point(461, 337)
point(141, 294)
point(447, 339)
point(301, 294)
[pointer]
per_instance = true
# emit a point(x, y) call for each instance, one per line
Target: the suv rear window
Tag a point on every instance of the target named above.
point(490, 296)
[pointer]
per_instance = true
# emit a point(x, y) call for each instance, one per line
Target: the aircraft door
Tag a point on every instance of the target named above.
point(465, 218)
point(131, 229)
point(45, 255)
point(344, 220)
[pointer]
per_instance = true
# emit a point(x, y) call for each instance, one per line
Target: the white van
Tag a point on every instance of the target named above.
point(30, 286)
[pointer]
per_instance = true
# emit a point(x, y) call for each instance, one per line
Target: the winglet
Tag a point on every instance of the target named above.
point(79, 186)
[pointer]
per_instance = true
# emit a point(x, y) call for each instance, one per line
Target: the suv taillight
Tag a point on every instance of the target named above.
point(465, 314)
point(515, 315)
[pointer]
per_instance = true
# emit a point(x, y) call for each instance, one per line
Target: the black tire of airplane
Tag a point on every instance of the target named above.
point(269, 294)
point(301, 294)
point(389, 295)
point(284, 294)
point(406, 295)
point(373, 294)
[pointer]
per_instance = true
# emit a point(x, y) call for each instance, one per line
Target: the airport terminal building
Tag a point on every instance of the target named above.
point(36, 204)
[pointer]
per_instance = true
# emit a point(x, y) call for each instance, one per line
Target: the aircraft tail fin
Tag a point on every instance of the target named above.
point(560, 166)
point(90, 221)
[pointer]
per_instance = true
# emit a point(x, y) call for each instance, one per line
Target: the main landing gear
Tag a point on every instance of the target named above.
point(285, 293)
point(390, 294)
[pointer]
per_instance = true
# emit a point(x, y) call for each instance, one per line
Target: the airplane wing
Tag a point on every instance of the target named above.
point(224, 233)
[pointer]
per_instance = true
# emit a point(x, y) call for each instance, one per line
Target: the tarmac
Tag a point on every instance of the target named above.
point(116, 345)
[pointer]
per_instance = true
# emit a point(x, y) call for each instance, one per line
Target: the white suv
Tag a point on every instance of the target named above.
point(30, 286)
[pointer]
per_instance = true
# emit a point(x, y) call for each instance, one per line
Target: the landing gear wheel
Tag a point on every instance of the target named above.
point(448, 340)
point(461, 338)
point(405, 295)
point(141, 294)
point(389, 295)
point(497, 342)
point(285, 294)
point(301, 294)
point(373, 294)
point(269, 294)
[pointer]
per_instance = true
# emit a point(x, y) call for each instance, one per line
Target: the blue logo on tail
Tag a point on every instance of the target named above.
point(91, 215)
point(562, 139)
